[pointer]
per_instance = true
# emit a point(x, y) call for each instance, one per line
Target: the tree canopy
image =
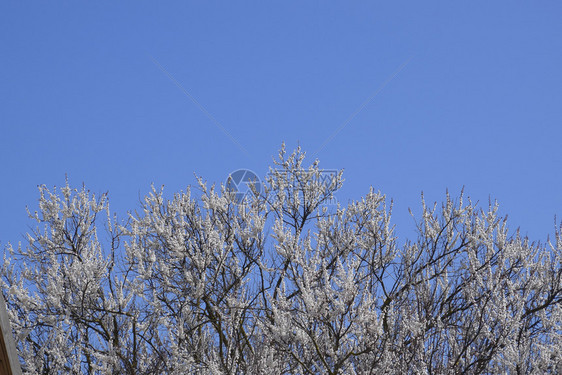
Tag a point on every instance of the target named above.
point(279, 284)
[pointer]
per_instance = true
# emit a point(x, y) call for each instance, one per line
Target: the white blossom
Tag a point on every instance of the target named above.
point(279, 285)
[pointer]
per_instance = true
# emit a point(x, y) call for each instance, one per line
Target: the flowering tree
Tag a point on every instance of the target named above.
point(279, 285)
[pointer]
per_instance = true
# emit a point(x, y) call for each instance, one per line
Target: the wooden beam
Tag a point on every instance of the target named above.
point(9, 361)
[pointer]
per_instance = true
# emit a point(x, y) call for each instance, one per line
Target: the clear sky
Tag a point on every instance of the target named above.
point(121, 94)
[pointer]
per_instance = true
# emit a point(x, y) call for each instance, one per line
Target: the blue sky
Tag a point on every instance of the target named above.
point(463, 94)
